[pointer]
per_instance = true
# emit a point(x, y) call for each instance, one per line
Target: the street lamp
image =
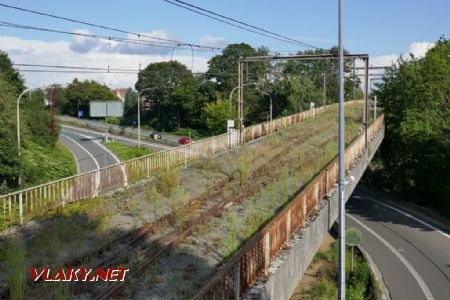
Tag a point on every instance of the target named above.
point(139, 115)
point(341, 266)
point(247, 84)
point(19, 181)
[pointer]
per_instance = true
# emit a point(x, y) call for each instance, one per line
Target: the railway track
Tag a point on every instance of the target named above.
point(171, 240)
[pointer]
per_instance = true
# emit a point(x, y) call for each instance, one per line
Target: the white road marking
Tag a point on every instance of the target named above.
point(411, 269)
point(82, 148)
point(411, 217)
point(122, 138)
point(112, 154)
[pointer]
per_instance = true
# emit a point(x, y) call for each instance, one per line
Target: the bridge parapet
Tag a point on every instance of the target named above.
point(236, 277)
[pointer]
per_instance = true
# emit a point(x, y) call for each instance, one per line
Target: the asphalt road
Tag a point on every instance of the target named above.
point(412, 255)
point(100, 126)
point(90, 154)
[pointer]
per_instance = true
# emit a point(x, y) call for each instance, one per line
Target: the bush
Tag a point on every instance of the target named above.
point(168, 181)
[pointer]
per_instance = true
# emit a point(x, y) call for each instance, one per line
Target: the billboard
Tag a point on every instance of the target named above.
point(106, 108)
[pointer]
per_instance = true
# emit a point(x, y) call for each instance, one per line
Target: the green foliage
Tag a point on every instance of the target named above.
point(42, 164)
point(302, 93)
point(216, 114)
point(125, 152)
point(130, 105)
point(168, 181)
point(14, 260)
point(415, 154)
point(359, 283)
point(79, 93)
point(11, 75)
point(175, 93)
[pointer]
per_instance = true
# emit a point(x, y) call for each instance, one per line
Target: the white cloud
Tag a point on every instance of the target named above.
point(213, 41)
point(86, 53)
point(419, 49)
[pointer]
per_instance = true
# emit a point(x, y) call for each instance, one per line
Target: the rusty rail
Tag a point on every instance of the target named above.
point(18, 207)
point(253, 260)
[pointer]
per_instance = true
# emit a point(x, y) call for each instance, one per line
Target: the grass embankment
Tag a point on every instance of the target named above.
point(125, 152)
point(43, 164)
point(359, 284)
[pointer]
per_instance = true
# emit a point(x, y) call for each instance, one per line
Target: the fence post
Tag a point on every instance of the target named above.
point(237, 280)
point(97, 183)
point(266, 252)
point(21, 208)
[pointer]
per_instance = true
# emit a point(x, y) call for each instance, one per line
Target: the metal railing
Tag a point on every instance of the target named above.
point(19, 206)
point(253, 260)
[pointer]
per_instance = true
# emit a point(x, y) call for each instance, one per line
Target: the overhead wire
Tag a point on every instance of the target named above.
point(257, 30)
point(102, 37)
point(105, 27)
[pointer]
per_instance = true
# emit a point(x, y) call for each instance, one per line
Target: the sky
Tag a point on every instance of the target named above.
point(383, 29)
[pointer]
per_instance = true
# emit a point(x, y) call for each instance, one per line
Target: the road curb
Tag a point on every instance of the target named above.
point(381, 291)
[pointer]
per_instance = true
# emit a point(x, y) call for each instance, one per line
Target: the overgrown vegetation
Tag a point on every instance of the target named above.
point(414, 159)
point(43, 158)
point(359, 284)
point(125, 152)
point(15, 268)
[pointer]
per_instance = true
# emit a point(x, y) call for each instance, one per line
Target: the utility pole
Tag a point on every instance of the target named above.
point(139, 114)
point(366, 98)
point(241, 100)
point(341, 162)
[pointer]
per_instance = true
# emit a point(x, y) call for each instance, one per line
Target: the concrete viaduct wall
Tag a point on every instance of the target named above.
point(288, 267)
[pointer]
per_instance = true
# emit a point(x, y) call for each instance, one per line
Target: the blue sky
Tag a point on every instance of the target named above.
point(376, 27)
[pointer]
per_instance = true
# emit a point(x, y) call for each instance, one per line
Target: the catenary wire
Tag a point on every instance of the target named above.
point(243, 28)
point(105, 27)
point(242, 23)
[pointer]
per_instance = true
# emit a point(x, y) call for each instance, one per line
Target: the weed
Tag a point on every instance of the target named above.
point(15, 268)
point(244, 170)
point(153, 198)
point(168, 181)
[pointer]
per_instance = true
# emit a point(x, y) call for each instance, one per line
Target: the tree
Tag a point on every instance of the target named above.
point(223, 71)
point(175, 92)
point(9, 159)
point(80, 93)
point(415, 155)
point(216, 114)
point(11, 75)
point(130, 105)
point(315, 70)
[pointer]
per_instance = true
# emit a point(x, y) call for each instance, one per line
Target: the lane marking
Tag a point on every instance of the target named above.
point(410, 268)
point(121, 138)
point(82, 148)
point(410, 216)
point(110, 153)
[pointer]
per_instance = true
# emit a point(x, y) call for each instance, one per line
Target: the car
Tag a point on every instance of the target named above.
point(185, 141)
point(155, 135)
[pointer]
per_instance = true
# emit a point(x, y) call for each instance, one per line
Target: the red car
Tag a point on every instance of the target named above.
point(185, 141)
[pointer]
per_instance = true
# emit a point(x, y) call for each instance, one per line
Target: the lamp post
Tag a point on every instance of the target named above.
point(232, 91)
point(18, 129)
point(19, 181)
point(341, 271)
point(139, 115)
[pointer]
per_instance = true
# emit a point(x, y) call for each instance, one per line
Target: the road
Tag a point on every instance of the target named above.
point(131, 131)
point(90, 153)
point(412, 255)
